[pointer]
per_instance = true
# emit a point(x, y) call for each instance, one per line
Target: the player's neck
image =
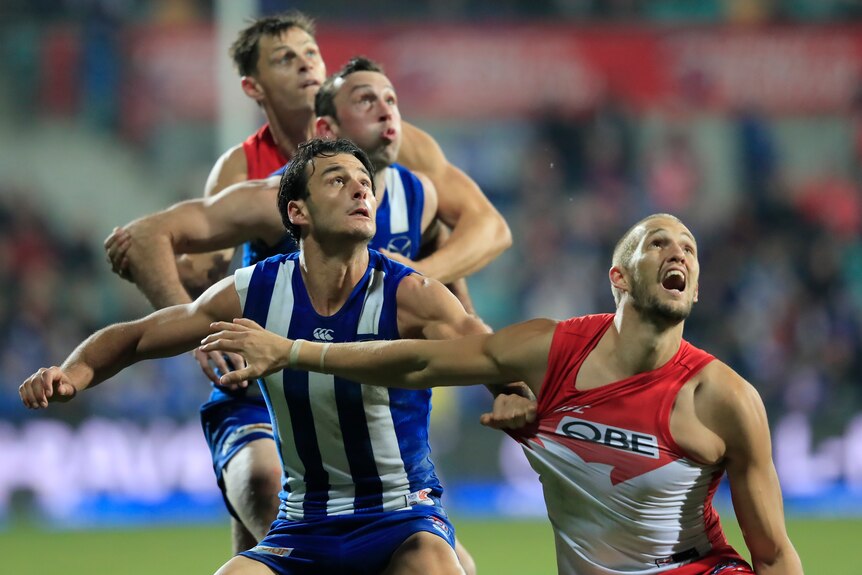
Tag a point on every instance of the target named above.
point(331, 272)
point(641, 346)
point(380, 183)
point(290, 128)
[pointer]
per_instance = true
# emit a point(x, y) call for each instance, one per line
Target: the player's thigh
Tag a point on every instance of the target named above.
point(424, 553)
point(240, 565)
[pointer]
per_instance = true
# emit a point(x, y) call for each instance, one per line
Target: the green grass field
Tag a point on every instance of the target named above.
point(827, 547)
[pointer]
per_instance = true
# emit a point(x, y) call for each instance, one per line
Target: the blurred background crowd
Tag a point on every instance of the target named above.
point(742, 117)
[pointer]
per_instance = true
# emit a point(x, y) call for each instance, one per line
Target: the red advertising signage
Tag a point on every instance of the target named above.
point(460, 71)
point(468, 72)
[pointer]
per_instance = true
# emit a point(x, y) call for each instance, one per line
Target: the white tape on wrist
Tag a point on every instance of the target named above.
point(323, 349)
point(294, 353)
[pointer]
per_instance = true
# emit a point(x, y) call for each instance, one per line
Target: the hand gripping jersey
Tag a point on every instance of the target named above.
point(345, 448)
point(621, 495)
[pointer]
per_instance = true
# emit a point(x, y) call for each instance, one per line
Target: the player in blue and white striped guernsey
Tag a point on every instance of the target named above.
point(359, 103)
point(360, 493)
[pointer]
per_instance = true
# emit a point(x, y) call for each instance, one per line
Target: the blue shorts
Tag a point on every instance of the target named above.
point(346, 544)
point(231, 424)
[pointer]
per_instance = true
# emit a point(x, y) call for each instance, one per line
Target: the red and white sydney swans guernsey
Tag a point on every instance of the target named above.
point(621, 495)
point(262, 154)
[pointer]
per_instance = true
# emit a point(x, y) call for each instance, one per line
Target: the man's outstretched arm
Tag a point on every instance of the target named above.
point(515, 353)
point(163, 333)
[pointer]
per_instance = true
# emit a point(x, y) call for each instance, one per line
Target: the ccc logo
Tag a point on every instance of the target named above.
point(323, 334)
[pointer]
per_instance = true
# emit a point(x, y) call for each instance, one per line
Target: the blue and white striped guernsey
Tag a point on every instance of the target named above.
point(345, 448)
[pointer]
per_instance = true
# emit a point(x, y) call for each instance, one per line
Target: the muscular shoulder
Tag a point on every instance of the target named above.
point(420, 152)
point(729, 406)
point(427, 310)
point(230, 168)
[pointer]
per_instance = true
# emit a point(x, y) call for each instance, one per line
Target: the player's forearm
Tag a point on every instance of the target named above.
point(477, 238)
point(101, 356)
point(387, 364)
point(410, 364)
point(153, 268)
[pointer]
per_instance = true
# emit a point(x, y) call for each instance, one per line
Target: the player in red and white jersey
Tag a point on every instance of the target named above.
point(634, 426)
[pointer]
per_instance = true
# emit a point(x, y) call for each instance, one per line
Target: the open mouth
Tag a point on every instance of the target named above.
point(360, 212)
point(309, 83)
point(674, 280)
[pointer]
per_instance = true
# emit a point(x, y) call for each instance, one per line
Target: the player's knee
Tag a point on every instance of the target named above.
point(264, 483)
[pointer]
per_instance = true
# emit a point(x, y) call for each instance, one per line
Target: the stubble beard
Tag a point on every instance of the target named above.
point(655, 311)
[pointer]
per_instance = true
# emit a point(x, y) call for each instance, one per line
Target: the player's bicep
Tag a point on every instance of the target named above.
point(240, 213)
point(521, 350)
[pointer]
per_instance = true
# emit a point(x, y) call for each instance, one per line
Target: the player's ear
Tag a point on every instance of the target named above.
point(296, 212)
point(618, 278)
point(252, 89)
point(696, 291)
point(325, 127)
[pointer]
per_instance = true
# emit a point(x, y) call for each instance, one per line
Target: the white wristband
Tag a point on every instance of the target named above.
point(294, 353)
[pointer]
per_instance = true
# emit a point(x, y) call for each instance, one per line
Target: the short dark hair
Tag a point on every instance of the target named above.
point(245, 49)
point(324, 101)
point(294, 181)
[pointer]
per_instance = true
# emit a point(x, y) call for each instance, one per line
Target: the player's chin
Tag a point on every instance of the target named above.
point(362, 231)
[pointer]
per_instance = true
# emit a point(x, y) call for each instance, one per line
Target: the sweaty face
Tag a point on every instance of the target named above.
point(340, 200)
point(664, 272)
point(368, 114)
point(290, 69)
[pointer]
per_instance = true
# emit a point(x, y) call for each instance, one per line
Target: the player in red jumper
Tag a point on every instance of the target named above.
point(634, 426)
